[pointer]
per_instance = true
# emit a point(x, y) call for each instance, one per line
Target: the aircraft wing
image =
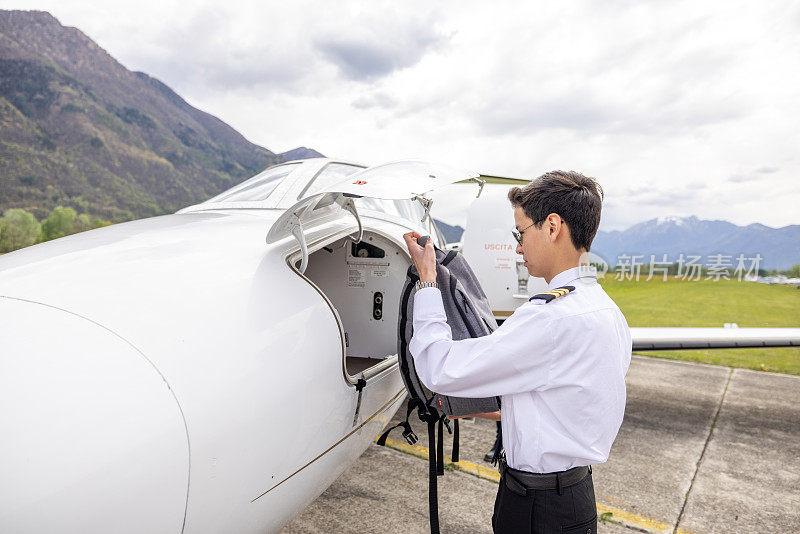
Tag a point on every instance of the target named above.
point(713, 338)
point(490, 179)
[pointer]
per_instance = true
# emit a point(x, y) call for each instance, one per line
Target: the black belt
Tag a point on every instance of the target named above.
point(521, 482)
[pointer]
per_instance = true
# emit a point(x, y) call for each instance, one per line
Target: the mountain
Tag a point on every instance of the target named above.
point(79, 129)
point(452, 234)
point(300, 152)
point(779, 247)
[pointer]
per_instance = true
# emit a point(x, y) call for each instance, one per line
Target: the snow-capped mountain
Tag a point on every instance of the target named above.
point(778, 247)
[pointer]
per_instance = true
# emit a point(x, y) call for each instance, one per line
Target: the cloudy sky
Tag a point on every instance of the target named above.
point(677, 108)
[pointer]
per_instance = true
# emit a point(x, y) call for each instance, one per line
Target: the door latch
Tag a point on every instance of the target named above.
point(360, 383)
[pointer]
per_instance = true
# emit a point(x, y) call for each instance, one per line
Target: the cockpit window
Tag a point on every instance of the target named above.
point(258, 187)
point(331, 174)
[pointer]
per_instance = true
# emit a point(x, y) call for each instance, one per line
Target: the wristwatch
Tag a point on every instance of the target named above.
point(420, 284)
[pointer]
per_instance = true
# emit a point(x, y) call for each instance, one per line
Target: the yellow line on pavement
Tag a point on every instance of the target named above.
point(479, 471)
point(617, 515)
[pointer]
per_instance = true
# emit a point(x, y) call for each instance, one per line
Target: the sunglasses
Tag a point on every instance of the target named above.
point(518, 233)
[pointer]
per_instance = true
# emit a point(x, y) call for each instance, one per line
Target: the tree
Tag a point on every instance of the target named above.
point(97, 222)
point(59, 223)
point(18, 228)
point(81, 224)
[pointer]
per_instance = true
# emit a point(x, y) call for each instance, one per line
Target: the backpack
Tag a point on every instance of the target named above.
point(469, 315)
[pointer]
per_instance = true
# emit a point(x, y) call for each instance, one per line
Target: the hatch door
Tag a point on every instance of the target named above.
point(391, 181)
point(401, 180)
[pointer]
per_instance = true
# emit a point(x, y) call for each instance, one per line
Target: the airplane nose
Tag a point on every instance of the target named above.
point(93, 438)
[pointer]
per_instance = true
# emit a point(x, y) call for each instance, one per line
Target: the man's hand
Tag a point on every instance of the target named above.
point(424, 258)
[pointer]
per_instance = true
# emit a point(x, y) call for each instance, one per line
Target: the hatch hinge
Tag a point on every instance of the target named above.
point(297, 232)
point(350, 206)
point(426, 203)
point(481, 183)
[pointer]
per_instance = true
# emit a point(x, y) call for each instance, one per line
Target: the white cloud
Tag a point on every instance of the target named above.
point(377, 44)
point(680, 108)
point(375, 100)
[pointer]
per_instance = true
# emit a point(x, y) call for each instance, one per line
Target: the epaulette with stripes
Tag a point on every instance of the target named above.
point(547, 296)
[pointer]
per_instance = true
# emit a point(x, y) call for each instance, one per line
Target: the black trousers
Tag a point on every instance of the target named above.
point(546, 511)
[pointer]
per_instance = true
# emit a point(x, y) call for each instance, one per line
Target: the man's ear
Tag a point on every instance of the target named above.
point(554, 226)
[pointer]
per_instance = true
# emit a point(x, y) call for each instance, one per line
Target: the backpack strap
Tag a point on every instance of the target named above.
point(454, 454)
point(447, 259)
point(403, 354)
point(433, 473)
point(440, 446)
point(498, 445)
point(408, 432)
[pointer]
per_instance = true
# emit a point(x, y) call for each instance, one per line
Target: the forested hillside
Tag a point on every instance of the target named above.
point(78, 129)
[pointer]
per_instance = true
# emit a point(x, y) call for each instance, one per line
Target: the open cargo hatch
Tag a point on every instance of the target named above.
point(402, 180)
point(362, 281)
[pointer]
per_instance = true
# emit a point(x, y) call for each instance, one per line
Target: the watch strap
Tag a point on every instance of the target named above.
point(420, 285)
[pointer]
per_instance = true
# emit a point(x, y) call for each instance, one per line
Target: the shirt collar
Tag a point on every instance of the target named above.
point(584, 273)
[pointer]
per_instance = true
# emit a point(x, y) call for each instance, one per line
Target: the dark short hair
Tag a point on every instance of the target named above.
point(578, 199)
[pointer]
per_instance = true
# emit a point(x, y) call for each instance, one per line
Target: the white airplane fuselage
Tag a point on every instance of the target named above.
point(233, 368)
point(178, 374)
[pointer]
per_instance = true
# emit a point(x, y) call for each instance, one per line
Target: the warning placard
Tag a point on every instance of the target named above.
point(356, 277)
point(503, 263)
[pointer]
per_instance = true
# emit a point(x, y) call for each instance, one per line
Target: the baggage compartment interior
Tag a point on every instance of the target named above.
point(363, 281)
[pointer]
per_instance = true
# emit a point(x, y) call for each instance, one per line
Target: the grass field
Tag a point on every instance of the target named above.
point(707, 303)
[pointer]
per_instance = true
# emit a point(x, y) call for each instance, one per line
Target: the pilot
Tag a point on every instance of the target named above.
point(558, 363)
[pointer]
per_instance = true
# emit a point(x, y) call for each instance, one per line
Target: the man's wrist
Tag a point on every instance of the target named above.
point(427, 277)
point(422, 285)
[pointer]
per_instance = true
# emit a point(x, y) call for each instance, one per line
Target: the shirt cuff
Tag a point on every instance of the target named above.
point(428, 304)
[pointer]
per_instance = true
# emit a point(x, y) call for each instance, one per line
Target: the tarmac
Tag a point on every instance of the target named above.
point(702, 449)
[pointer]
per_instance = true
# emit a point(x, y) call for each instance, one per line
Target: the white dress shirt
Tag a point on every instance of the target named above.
point(559, 368)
